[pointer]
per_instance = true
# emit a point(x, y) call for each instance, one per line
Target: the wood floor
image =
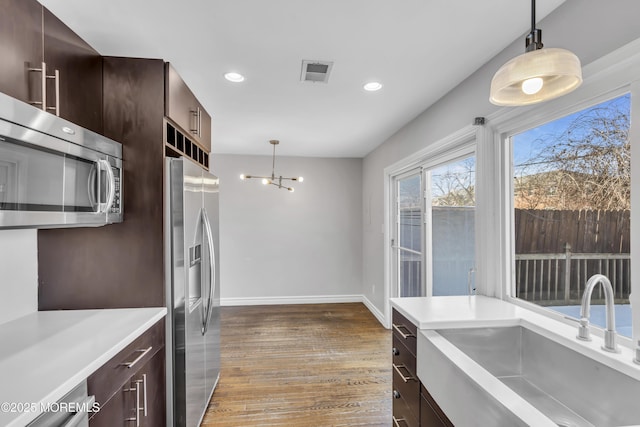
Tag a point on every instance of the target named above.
point(302, 365)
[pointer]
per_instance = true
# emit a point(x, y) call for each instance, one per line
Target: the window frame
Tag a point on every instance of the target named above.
point(456, 146)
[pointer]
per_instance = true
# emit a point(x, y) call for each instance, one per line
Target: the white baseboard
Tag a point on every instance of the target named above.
point(311, 299)
point(374, 310)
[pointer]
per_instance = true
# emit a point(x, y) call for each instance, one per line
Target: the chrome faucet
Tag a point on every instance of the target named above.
point(610, 331)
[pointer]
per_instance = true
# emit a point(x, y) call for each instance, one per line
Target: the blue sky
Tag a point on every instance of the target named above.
point(528, 143)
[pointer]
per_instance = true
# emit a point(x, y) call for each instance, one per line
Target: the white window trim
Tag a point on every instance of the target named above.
point(610, 76)
point(455, 146)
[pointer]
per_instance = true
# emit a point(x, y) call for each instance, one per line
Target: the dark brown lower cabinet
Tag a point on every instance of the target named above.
point(130, 387)
point(413, 406)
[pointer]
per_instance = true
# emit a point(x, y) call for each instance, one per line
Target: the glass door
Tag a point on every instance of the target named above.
point(408, 239)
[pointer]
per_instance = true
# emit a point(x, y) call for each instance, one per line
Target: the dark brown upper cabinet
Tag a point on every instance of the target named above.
point(20, 48)
point(40, 52)
point(184, 109)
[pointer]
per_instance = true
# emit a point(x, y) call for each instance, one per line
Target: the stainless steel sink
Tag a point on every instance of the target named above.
point(565, 387)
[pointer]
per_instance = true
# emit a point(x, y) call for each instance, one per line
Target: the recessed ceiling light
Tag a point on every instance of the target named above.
point(234, 77)
point(372, 86)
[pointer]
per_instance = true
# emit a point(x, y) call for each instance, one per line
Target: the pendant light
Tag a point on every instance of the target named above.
point(273, 179)
point(539, 74)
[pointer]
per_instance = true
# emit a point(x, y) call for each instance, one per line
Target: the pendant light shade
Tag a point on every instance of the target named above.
point(538, 75)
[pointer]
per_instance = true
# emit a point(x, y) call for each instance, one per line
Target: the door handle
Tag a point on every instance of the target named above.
point(56, 79)
point(136, 388)
point(102, 207)
point(212, 269)
point(112, 186)
point(43, 84)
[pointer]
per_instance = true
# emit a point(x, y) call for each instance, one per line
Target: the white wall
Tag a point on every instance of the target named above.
point(18, 273)
point(279, 247)
point(590, 28)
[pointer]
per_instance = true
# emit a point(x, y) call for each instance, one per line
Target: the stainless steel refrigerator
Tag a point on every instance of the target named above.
point(193, 291)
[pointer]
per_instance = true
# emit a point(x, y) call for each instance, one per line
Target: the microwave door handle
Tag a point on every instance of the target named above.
point(111, 184)
point(212, 267)
point(91, 187)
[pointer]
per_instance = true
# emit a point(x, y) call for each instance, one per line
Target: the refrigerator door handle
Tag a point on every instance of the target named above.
point(212, 269)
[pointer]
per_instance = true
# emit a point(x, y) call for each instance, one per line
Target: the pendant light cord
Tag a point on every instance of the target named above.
point(273, 165)
point(533, 16)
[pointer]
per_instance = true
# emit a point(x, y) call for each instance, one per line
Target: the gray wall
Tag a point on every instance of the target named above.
point(590, 28)
point(277, 246)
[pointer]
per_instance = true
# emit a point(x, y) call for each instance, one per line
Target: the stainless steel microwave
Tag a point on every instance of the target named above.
point(54, 173)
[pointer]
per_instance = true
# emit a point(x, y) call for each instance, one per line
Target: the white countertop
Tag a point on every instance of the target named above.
point(44, 355)
point(462, 311)
point(481, 311)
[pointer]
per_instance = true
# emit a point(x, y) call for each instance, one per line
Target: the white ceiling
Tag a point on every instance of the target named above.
point(418, 49)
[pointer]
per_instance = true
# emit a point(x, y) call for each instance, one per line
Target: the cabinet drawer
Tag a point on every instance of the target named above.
point(111, 376)
point(405, 330)
point(430, 412)
point(407, 391)
point(402, 355)
point(402, 415)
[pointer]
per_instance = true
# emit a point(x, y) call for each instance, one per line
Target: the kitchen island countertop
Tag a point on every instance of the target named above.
point(45, 354)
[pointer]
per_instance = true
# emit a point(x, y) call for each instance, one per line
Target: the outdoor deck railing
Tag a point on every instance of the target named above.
point(559, 278)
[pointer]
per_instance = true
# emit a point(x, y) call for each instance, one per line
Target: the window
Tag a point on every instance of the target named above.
point(434, 236)
point(572, 200)
point(451, 221)
point(409, 235)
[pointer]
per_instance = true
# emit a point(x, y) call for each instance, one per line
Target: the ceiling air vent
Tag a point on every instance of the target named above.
point(316, 71)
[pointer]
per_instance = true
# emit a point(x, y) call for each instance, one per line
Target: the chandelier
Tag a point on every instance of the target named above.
point(273, 179)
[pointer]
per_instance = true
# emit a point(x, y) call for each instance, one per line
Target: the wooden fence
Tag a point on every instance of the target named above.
point(557, 251)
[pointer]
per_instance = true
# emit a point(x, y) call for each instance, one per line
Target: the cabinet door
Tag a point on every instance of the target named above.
point(20, 48)
point(185, 110)
point(152, 392)
point(79, 66)
point(140, 401)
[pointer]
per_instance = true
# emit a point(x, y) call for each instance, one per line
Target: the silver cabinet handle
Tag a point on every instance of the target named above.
point(404, 335)
point(85, 405)
point(137, 409)
point(43, 85)
point(194, 113)
point(197, 114)
point(396, 421)
point(404, 378)
point(56, 78)
point(143, 353)
point(144, 393)
point(199, 122)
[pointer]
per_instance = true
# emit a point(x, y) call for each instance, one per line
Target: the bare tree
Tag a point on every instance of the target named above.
point(455, 187)
point(586, 166)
